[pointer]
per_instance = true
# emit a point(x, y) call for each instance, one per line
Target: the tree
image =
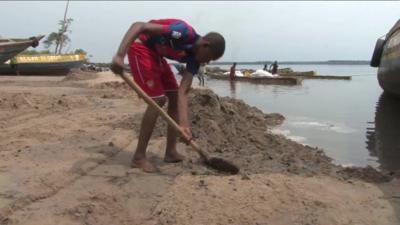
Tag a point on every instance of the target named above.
point(80, 51)
point(52, 39)
point(64, 39)
point(59, 39)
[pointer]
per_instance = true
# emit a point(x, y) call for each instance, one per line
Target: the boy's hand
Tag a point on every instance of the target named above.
point(117, 65)
point(187, 135)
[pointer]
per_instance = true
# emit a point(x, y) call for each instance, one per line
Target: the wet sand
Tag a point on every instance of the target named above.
point(66, 145)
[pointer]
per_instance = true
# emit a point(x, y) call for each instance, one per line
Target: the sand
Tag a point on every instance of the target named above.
point(273, 199)
point(66, 145)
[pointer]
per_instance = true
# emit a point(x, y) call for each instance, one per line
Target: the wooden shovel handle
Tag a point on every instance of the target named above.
point(163, 114)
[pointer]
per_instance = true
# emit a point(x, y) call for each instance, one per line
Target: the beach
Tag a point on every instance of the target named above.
point(67, 141)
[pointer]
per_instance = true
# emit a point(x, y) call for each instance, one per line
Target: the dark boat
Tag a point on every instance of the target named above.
point(10, 47)
point(281, 80)
point(43, 64)
point(386, 56)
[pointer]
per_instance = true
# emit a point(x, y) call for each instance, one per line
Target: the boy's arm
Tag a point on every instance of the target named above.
point(133, 32)
point(183, 92)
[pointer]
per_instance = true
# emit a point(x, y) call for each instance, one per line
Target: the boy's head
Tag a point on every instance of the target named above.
point(210, 47)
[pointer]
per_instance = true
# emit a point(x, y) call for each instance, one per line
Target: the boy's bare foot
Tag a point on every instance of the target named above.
point(173, 157)
point(143, 164)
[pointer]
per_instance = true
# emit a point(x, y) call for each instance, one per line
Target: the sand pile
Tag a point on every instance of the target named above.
point(233, 130)
point(77, 75)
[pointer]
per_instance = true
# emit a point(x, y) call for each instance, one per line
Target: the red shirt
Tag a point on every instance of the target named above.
point(176, 42)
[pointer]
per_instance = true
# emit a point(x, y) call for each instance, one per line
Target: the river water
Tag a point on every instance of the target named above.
point(352, 120)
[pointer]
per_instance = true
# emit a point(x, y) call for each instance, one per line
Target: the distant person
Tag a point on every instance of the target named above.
point(233, 71)
point(147, 44)
point(274, 68)
point(265, 67)
point(181, 69)
point(201, 73)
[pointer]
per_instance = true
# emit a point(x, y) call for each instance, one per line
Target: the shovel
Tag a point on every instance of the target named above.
point(213, 162)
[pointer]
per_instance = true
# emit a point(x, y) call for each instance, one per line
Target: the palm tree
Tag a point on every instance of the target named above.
point(64, 26)
point(60, 38)
point(52, 39)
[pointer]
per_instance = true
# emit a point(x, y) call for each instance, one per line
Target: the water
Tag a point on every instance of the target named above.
point(337, 115)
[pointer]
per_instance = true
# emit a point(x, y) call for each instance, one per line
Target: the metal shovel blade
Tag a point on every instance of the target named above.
point(222, 165)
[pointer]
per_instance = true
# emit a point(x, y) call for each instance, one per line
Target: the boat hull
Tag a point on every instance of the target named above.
point(12, 47)
point(61, 68)
point(389, 68)
point(389, 77)
point(260, 80)
point(9, 52)
point(43, 64)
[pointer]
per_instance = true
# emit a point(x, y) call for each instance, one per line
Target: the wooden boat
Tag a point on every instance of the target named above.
point(43, 64)
point(12, 47)
point(295, 73)
point(288, 72)
point(312, 75)
point(259, 80)
point(386, 56)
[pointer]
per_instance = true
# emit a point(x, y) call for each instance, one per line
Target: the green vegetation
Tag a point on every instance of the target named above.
point(59, 39)
point(34, 52)
point(80, 51)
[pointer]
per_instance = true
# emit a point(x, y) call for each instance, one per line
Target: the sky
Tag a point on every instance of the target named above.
point(254, 31)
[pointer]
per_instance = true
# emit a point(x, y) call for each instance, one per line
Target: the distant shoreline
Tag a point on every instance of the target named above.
point(329, 62)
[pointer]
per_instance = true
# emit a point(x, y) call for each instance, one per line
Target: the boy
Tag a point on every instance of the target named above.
point(232, 74)
point(147, 44)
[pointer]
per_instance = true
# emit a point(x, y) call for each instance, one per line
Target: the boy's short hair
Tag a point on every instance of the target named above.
point(217, 44)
